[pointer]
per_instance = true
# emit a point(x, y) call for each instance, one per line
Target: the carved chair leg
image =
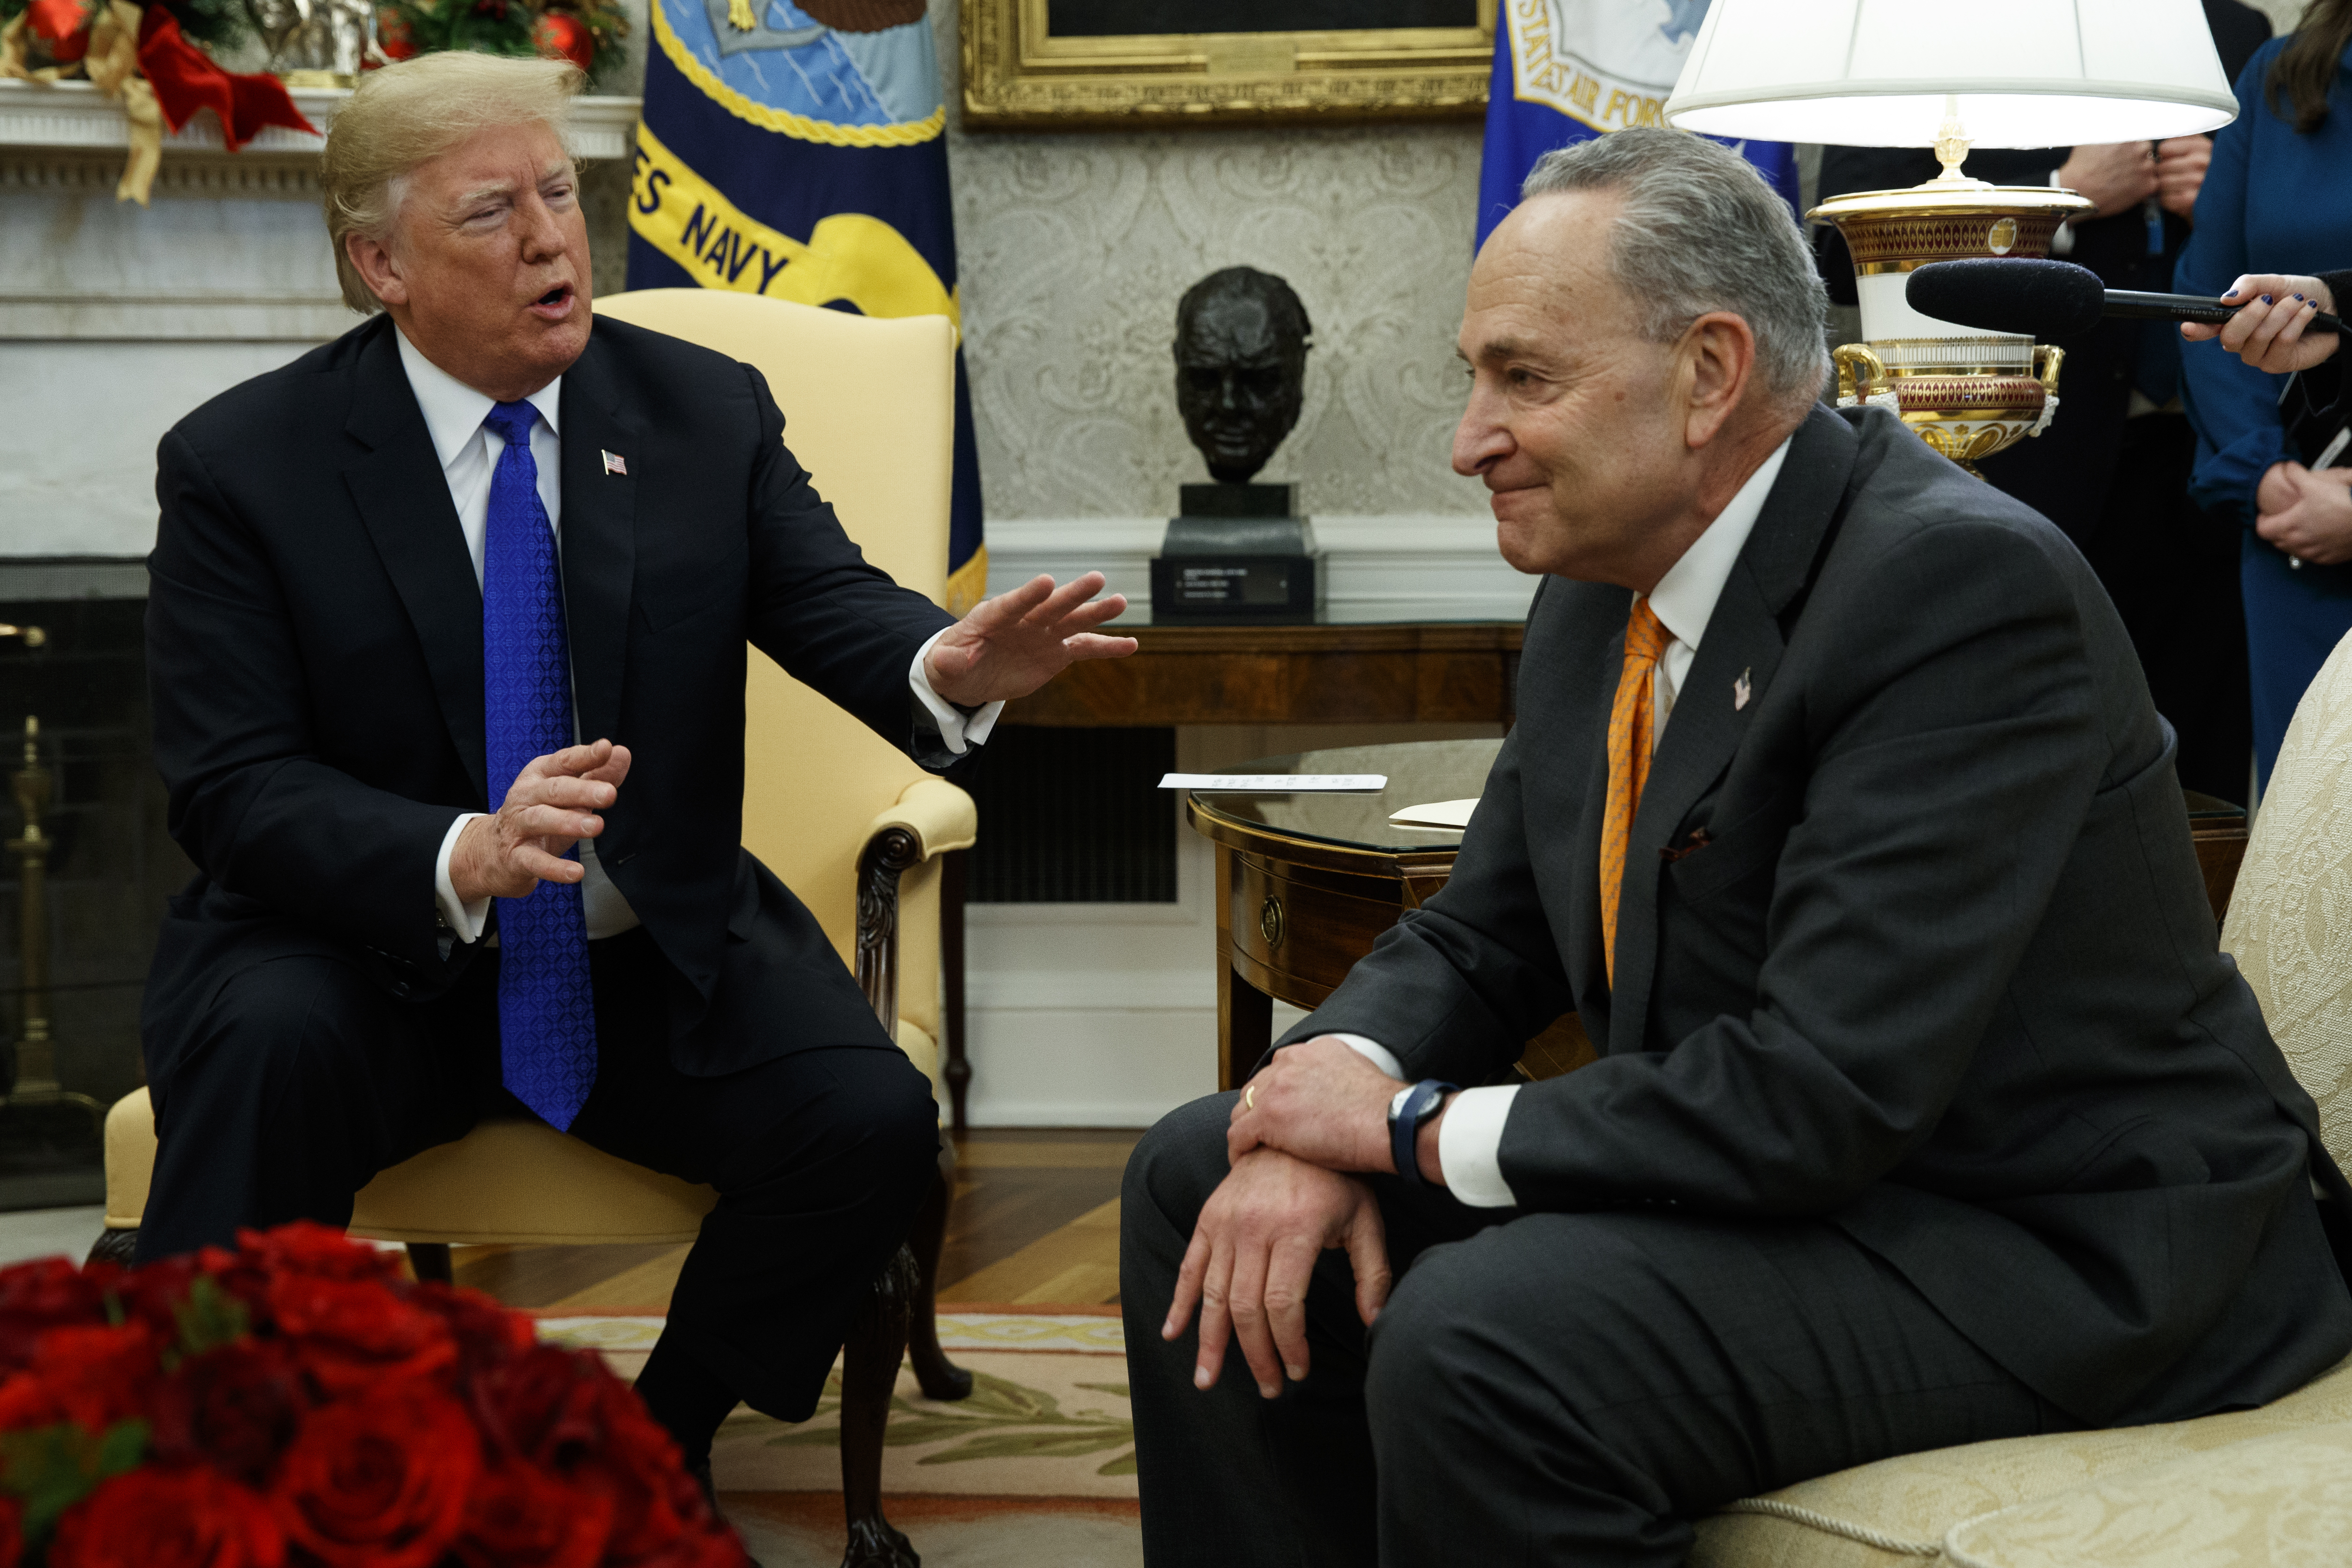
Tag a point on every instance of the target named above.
point(116, 1247)
point(869, 1371)
point(430, 1262)
point(940, 1378)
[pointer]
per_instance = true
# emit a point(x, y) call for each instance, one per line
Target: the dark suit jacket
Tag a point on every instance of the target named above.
point(2065, 472)
point(1913, 941)
point(314, 635)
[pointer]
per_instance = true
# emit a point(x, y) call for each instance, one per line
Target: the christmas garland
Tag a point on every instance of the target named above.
point(588, 33)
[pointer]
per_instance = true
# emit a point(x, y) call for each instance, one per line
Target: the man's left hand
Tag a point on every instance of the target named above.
point(1011, 645)
point(2180, 165)
point(1320, 1101)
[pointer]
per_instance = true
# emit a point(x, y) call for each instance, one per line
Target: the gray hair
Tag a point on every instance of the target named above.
point(1699, 230)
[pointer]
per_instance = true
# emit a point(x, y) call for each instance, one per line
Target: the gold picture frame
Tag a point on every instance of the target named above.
point(1018, 77)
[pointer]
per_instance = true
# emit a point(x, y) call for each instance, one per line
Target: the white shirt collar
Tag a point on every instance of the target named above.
point(454, 412)
point(1685, 598)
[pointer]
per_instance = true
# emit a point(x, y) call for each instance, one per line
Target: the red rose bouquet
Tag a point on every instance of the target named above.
point(298, 1403)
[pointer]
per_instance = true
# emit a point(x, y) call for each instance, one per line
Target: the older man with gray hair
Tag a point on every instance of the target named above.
point(446, 631)
point(1926, 1110)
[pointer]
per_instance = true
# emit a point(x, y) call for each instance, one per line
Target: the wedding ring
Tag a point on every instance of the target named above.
point(1249, 1098)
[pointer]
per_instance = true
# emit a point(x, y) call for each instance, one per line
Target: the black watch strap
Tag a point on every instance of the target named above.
point(1407, 1113)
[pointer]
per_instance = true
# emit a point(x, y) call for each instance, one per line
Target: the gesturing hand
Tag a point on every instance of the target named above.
point(552, 806)
point(2268, 333)
point(1011, 645)
point(1253, 1252)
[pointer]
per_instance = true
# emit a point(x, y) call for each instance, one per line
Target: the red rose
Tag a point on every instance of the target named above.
point(380, 1480)
point(46, 1294)
point(235, 1408)
point(12, 1531)
point(351, 1334)
point(168, 1519)
point(544, 1404)
point(713, 1545)
point(303, 1247)
point(487, 1334)
point(521, 1517)
point(97, 1376)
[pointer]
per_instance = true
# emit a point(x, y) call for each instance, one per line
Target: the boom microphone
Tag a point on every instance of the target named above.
point(2052, 301)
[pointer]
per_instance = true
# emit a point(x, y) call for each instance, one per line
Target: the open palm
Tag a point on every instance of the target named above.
point(1011, 645)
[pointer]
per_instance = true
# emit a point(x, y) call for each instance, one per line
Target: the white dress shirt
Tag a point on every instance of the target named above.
point(1470, 1139)
point(470, 451)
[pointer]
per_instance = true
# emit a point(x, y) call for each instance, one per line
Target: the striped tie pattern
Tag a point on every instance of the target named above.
point(547, 1013)
point(1630, 729)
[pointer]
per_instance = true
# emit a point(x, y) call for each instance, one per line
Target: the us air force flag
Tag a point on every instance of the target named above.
point(796, 149)
point(1566, 70)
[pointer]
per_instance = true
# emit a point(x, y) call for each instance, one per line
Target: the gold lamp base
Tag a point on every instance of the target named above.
point(1966, 394)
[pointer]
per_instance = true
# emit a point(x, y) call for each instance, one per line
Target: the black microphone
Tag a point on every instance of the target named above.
point(2050, 301)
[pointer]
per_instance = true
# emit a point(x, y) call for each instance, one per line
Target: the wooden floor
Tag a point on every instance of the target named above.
point(1035, 1221)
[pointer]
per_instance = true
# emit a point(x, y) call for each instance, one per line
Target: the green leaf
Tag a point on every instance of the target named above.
point(1117, 1388)
point(54, 1468)
point(1122, 1466)
point(210, 1317)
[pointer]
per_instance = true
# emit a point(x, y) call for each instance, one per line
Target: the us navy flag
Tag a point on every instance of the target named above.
point(1566, 70)
point(797, 148)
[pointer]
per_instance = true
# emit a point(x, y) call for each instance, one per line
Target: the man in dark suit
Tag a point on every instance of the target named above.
point(395, 583)
point(2112, 470)
point(1927, 1110)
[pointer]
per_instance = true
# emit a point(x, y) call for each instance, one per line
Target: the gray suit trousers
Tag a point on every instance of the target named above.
point(1542, 1388)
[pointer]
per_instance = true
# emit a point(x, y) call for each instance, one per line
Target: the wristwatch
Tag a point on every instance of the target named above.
point(1414, 1104)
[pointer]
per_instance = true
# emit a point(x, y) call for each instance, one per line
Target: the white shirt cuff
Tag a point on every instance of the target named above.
point(1378, 1055)
point(464, 920)
point(956, 730)
point(1470, 1146)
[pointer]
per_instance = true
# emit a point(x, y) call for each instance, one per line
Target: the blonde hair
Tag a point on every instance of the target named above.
point(406, 115)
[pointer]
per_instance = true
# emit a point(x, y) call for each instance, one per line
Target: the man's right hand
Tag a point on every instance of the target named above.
point(1253, 1252)
point(2116, 176)
point(552, 805)
point(2268, 333)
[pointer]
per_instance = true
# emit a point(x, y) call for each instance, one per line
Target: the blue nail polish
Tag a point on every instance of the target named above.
point(2266, 299)
point(2294, 296)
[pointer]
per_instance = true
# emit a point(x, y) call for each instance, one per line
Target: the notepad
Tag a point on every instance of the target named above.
point(1277, 784)
point(1436, 813)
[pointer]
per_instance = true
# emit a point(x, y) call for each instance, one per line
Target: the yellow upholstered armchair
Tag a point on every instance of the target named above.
point(848, 822)
point(2255, 1489)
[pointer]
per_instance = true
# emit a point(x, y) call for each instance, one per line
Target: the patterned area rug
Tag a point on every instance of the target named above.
point(1036, 1467)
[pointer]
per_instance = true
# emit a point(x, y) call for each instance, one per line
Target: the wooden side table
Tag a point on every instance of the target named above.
point(1306, 884)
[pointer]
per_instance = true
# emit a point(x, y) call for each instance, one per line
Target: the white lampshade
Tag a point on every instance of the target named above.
point(2028, 73)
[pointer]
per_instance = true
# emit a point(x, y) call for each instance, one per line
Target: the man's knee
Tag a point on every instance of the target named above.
point(274, 1024)
point(1177, 1164)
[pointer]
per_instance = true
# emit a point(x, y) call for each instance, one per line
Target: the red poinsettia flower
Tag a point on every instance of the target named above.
point(521, 1517)
point(168, 1519)
point(236, 1408)
point(379, 1480)
point(350, 1333)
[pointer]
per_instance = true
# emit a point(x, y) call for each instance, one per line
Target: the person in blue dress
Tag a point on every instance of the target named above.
point(2277, 199)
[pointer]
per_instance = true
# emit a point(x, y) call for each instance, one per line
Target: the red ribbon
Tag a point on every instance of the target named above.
point(185, 79)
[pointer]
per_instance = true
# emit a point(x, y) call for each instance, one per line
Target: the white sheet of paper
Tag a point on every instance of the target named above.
point(1277, 784)
point(1436, 813)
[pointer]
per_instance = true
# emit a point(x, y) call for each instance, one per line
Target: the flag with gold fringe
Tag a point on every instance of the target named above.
point(797, 148)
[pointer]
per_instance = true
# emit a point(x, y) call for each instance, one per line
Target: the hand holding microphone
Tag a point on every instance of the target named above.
point(2271, 331)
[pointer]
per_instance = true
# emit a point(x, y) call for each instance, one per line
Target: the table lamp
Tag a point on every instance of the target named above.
point(1995, 73)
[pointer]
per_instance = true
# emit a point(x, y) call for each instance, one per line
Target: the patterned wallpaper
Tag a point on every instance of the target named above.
point(1075, 248)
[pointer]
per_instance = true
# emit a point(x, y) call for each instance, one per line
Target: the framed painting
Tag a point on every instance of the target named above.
point(1045, 65)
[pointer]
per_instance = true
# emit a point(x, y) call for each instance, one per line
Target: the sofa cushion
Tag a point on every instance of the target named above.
point(1900, 1510)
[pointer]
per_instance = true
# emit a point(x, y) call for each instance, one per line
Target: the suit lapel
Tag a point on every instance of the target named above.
point(1740, 648)
point(599, 529)
point(403, 500)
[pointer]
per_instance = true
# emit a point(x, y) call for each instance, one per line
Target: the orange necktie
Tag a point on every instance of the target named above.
point(1630, 736)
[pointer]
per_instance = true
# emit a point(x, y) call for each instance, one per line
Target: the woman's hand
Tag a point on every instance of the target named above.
point(2268, 333)
point(2317, 525)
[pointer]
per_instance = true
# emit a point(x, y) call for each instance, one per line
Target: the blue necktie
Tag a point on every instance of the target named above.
point(547, 1014)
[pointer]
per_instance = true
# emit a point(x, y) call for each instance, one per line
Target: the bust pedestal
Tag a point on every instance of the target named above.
point(1237, 554)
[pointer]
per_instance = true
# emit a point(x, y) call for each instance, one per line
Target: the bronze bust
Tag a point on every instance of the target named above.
point(1242, 337)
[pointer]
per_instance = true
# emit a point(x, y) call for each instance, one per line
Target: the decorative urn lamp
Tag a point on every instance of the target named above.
point(1902, 73)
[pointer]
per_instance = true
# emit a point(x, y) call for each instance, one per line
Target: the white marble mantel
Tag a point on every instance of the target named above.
point(116, 320)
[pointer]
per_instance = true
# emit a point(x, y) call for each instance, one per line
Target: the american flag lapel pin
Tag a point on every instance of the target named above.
point(615, 464)
point(1741, 693)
